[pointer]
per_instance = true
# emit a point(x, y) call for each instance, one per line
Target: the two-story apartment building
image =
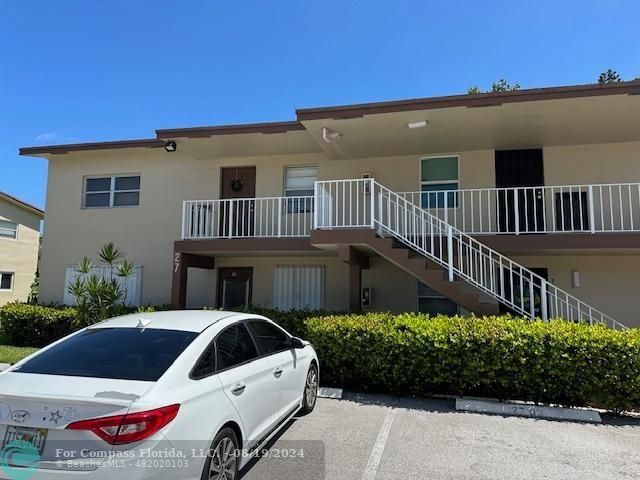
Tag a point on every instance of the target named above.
point(525, 201)
point(19, 245)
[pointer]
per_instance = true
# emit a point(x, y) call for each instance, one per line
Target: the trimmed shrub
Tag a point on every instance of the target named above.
point(503, 357)
point(25, 325)
point(293, 321)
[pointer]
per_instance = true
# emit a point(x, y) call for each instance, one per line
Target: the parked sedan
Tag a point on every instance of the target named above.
point(178, 394)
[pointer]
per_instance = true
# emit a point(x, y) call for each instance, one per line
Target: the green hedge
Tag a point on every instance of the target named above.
point(555, 362)
point(25, 325)
point(502, 357)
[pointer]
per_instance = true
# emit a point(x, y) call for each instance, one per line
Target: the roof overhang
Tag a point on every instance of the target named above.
point(77, 147)
point(469, 100)
point(518, 119)
point(527, 119)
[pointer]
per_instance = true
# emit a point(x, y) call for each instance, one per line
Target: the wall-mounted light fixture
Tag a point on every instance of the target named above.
point(329, 135)
point(575, 278)
point(170, 146)
point(418, 124)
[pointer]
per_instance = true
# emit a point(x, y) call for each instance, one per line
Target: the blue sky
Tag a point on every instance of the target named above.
point(78, 70)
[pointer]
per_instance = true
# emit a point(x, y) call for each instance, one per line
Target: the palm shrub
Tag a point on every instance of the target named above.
point(98, 297)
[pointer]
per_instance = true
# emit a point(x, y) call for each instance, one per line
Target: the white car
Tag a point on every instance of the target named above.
point(180, 394)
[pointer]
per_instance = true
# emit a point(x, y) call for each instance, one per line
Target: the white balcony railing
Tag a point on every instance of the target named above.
point(247, 217)
point(367, 204)
point(544, 209)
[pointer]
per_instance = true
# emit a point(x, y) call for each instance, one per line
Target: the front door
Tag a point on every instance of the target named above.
point(520, 168)
point(238, 184)
point(521, 293)
point(234, 287)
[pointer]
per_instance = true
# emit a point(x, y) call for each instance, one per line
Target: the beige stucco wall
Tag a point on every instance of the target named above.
point(19, 256)
point(393, 289)
point(608, 282)
point(146, 233)
point(592, 164)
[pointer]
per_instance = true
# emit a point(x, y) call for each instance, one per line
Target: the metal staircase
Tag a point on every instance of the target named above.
point(365, 203)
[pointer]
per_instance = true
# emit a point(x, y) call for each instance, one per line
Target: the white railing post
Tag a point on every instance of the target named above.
point(592, 215)
point(516, 212)
point(279, 216)
point(230, 218)
point(446, 207)
point(316, 204)
point(380, 211)
point(184, 219)
point(450, 251)
point(543, 301)
point(372, 185)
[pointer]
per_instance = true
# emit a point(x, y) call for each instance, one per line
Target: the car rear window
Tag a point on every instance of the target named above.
point(119, 353)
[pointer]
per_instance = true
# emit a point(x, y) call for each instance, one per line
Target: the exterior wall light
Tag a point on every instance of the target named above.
point(170, 146)
point(418, 124)
point(575, 279)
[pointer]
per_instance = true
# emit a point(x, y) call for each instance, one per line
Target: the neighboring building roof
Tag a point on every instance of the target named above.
point(21, 204)
point(354, 111)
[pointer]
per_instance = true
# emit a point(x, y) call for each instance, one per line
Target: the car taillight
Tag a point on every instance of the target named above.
point(132, 427)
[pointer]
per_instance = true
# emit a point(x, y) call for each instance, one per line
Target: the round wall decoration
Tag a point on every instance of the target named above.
point(236, 185)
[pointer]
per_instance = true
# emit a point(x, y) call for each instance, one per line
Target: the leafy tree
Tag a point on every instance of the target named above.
point(500, 86)
point(98, 297)
point(610, 76)
point(503, 86)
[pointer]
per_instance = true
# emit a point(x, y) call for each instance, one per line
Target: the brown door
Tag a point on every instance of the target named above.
point(236, 216)
point(234, 287)
point(520, 168)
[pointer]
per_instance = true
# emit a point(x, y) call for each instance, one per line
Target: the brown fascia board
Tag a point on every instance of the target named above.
point(469, 100)
point(199, 132)
point(22, 204)
point(75, 147)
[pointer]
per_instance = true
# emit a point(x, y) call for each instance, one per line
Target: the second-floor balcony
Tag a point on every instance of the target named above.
point(588, 209)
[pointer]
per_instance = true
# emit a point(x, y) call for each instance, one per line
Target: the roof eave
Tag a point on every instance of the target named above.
point(469, 100)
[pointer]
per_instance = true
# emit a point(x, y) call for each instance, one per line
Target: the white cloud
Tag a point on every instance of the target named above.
point(47, 137)
point(53, 138)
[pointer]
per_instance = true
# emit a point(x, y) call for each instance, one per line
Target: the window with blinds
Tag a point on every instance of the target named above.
point(8, 229)
point(437, 175)
point(300, 182)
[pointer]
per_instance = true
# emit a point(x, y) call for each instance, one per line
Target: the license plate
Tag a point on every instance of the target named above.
point(34, 437)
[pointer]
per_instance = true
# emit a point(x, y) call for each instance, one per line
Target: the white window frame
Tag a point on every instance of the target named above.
point(13, 281)
point(16, 230)
point(112, 190)
point(290, 206)
point(439, 182)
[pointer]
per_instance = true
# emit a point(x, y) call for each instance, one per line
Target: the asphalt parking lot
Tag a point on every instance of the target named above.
point(376, 437)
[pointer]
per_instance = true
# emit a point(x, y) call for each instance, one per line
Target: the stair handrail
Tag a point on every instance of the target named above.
point(547, 289)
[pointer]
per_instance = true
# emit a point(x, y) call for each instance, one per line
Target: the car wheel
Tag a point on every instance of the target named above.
point(223, 458)
point(310, 390)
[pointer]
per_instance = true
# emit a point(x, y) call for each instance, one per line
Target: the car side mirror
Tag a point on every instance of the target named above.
point(295, 342)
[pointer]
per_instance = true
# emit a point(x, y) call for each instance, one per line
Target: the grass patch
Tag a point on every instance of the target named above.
point(9, 354)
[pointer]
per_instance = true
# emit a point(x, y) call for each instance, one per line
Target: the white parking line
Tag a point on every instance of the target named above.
point(378, 447)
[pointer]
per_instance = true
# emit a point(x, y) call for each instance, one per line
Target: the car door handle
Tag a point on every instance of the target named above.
point(238, 389)
point(277, 372)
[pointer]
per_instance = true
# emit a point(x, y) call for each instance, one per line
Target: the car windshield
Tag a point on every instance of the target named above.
point(117, 353)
